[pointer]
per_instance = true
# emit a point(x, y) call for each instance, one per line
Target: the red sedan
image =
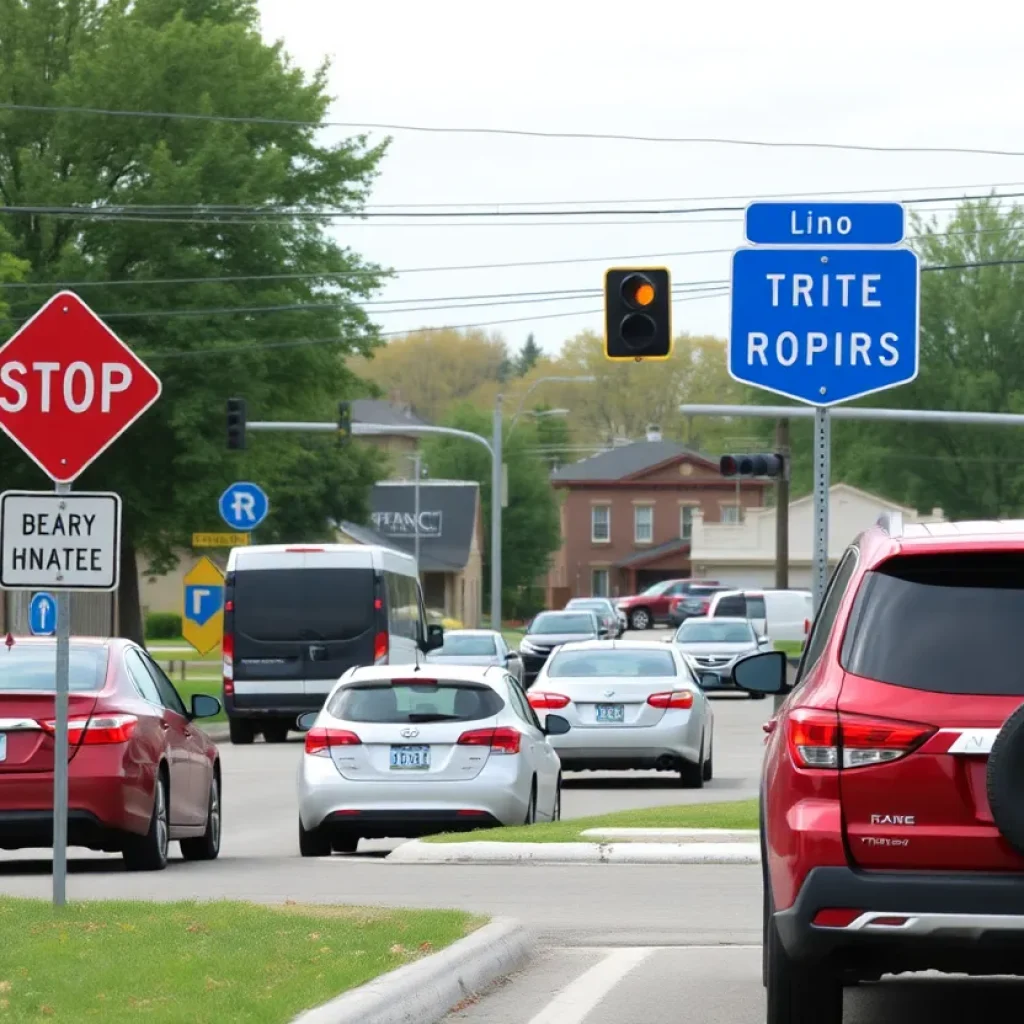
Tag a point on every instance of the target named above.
point(141, 774)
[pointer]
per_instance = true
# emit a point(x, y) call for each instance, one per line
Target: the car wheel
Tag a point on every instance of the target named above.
point(758, 696)
point(313, 843)
point(344, 843)
point(241, 731)
point(800, 993)
point(691, 775)
point(531, 810)
point(276, 733)
point(640, 619)
point(149, 852)
point(556, 813)
point(709, 767)
point(206, 846)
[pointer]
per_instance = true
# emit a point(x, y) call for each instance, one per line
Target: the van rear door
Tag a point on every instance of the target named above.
point(299, 627)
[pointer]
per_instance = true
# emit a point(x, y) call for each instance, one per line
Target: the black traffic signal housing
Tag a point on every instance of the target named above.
point(769, 465)
point(344, 423)
point(637, 313)
point(236, 424)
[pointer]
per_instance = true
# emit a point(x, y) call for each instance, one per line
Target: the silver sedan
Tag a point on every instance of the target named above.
point(481, 647)
point(401, 751)
point(630, 704)
point(713, 646)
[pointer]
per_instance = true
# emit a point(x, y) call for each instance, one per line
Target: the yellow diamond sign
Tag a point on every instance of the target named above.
point(202, 618)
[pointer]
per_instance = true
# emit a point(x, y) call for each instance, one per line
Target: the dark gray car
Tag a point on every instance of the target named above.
point(477, 647)
point(611, 618)
point(552, 629)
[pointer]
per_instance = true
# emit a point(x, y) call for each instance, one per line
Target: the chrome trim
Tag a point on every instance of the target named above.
point(925, 924)
point(972, 741)
point(19, 725)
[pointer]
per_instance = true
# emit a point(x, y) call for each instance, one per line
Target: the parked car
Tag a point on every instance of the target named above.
point(400, 752)
point(142, 774)
point(783, 615)
point(696, 601)
point(630, 704)
point(713, 646)
point(551, 629)
point(892, 827)
point(613, 620)
point(651, 606)
point(477, 647)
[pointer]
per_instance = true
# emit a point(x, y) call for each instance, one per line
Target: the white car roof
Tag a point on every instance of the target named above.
point(427, 671)
point(716, 619)
point(471, 632)
point(640, 646)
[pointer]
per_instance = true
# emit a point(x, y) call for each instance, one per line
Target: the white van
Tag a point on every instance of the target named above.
point(777, 614)
point(297, 616)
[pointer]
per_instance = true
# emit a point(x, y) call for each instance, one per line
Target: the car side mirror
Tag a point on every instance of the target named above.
point(556, 725)
point(763, 640)
point(306, 721)
point(435, 638)
point(512, 656)
point(204, 705)
point(762, 673)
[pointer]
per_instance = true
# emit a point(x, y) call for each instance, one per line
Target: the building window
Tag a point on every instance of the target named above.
point(686, 521)
point(643, 524)
point(731, 514)
point(600, 524)
point(598, 582)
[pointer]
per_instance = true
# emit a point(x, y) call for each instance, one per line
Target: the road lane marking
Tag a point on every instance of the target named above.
point(577, 1000)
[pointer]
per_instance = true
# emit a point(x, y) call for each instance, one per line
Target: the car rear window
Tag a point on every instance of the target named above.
point(467, 646)
point(624, 664)
point(563, 624)
point(398, 703)
point(303, 604)
point(33, 668)
point(945, 623)
point(715, 633)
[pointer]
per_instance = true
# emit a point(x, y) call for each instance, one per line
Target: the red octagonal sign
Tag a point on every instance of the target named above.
point(69, 387)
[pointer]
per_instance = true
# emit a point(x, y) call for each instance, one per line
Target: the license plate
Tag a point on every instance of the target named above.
point(3, 746)
point(611, 712)
point(410, 757)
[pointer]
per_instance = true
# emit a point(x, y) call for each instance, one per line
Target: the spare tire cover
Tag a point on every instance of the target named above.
point(1005, 781)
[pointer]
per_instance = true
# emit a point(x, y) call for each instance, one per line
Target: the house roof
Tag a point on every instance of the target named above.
point(670, 547)
point(384, 414)
point(626, 461)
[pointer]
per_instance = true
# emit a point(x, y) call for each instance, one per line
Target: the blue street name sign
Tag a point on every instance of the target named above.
point(831, 224)
point(42, 614)
point(824, 326)
point(243, 506)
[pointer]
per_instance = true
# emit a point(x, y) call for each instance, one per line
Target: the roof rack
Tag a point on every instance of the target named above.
point(892, 522)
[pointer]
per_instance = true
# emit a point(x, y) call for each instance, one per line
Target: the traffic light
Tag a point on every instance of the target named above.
point(773, 465)
point(344, 423)
point(637, 313)
point(236, 424)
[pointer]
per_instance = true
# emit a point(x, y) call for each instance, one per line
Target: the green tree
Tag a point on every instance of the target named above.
point(151, 185)
point(530, 523)
point(528, 356)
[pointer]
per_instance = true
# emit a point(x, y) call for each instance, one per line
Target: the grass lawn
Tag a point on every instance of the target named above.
point(199, 684)
point(201, 963)
point(792, 647)
point(178, 650)
point(738, 814)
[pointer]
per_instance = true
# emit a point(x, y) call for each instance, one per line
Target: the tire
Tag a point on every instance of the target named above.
point(758, 696)
point(556, 814)
point(1003, 780)
point(531, 810)
point(206, 846)
point(344, 843)
point(709, 765)
point(241, 731)
point(149, 852)
point(691, 776)
point(640, 619)
point(276, 732)
point(799, 993)
point(313, 843)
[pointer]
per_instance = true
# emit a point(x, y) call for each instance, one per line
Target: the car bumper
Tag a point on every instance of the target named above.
point(499, 795)
point(963, 923)
point(271, 705)
point(662, 746)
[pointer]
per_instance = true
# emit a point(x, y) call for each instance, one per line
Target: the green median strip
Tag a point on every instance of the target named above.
point(793, 648)
point(205, 963)
point(734, 814)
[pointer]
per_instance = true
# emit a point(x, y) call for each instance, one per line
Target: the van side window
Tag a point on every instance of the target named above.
point(403, 606)
point(756, 608)
point(733, 604)
point(421, 620)
point(826, 617)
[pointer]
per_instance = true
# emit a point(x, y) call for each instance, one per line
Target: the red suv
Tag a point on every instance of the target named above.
point(892, 815)
point(654, 604)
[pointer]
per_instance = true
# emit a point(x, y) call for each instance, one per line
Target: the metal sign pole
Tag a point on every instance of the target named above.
point(822, 469)
point(496, 461)
point(60, 742)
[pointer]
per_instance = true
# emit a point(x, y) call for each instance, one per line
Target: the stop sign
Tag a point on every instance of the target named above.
point(69, 387)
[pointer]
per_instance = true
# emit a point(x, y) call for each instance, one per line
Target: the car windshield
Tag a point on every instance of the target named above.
point(715, 633)
point(467, 646)
point(33, 667)
point(623, 664)
point(549, 624)
point(587, 606)
point(658, 588)
point(403, 702)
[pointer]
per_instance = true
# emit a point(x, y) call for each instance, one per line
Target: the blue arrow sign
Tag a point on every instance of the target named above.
point(243, 506)
point(202, 602)
point(824, 326)
point(831, 224)
point(42, 614)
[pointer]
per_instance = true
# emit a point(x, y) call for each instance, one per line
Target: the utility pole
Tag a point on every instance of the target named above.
point(782, 508)
point(496, 495)
point(416, 509)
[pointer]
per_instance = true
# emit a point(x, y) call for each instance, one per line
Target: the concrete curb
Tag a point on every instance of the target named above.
point(425, 991)
point(678, 835)
point(417, 852)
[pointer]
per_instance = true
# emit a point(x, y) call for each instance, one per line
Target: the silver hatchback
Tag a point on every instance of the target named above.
point(403, 751)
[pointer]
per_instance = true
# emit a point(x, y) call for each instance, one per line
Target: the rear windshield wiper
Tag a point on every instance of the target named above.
point(431, 717)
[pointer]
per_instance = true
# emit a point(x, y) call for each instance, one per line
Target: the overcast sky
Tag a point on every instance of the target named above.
point(896, 73)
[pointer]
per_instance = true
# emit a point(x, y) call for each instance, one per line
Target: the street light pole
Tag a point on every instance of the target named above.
point(496, 496)
point(416, 510)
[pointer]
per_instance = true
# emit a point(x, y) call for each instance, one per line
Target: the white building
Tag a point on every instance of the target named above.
point(744, 553)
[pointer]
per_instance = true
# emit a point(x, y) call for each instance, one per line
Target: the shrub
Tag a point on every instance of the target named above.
point(163, 626)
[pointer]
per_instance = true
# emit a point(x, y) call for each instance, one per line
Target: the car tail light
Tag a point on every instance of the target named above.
point(704, 606)
point(319, 740)
point(673, 699)
point(546, 701)
point(501, 741)
point(98, 729)
point(828, 739)
point(380, 648)
point(807, 626)
point(227, 651)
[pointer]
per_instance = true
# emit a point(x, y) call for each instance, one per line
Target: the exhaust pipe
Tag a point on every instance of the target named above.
point(665, 763)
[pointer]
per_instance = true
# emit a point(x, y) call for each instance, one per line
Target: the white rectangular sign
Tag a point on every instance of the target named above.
point(51, 541)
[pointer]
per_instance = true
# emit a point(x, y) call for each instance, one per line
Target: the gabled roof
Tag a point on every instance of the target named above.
point(670, 547)
point(627, 461)
point(384, 414)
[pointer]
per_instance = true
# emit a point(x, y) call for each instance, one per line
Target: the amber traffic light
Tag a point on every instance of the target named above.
point(638, 313)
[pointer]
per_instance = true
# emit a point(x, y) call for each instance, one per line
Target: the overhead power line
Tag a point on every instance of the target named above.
point(511, 132)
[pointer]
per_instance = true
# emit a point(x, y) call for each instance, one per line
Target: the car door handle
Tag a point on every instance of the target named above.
point(164, 726)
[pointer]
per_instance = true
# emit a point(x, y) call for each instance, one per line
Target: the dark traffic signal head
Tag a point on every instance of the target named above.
point(773, 465)
point(236, 424)
point(344, 423)
point(638, 313)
